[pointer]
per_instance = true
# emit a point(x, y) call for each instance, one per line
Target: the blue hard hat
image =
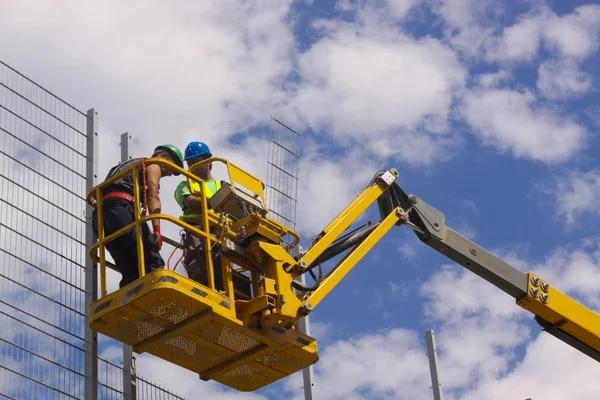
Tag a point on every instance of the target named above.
point(196, 149)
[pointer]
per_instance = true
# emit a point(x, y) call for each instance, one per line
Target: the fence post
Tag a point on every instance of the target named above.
point(129, 375)
point(91, 268)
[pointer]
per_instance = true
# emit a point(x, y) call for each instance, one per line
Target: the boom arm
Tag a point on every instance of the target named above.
point(247, 329)
point(557, 313)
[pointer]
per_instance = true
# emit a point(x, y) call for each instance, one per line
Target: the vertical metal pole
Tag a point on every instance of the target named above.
point(91, 268)
point(304, 327)
point(433, 361)
point(129, 374)
point(125, 147)
point(307, 373)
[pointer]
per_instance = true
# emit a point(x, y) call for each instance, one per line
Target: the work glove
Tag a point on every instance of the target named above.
point(158, 236)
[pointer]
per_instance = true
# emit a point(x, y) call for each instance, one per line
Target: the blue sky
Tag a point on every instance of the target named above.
point(489, 111)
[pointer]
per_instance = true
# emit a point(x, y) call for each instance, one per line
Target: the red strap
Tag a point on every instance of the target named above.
point(119, 194)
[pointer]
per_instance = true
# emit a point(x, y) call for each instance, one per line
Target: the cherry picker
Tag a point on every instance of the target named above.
point(246, 336)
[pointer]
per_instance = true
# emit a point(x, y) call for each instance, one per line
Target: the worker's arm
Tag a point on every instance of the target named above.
point(186, 199)
point(193, 203)
point(153, 176)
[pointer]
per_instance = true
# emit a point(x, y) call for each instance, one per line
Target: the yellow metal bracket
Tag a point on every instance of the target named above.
point(561, 311)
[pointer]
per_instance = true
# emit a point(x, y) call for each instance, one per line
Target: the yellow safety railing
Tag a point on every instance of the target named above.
point(236, 175)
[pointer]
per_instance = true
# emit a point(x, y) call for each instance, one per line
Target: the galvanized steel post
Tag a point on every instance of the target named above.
point(91, 268)
point(129, 374)
point(307, 373)
point(432, 354)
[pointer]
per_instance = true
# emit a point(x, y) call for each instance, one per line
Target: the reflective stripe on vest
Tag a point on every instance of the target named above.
point(195, 188)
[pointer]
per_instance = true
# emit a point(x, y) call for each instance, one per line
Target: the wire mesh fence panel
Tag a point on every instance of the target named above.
point(110, 380)
point(150, 391)
point(42, 242)
point(282, 173)
point(43, 176)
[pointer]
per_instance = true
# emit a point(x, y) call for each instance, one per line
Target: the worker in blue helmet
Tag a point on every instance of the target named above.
point(191, 204)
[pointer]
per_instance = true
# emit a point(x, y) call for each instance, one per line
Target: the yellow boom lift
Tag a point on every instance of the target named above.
point(247, 336)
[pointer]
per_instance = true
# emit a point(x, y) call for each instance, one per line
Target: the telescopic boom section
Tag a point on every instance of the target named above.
point(557, 313)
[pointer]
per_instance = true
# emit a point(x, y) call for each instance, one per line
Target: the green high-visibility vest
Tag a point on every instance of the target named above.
point(189, 214)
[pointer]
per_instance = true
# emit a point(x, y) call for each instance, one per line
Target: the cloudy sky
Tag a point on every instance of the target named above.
point(489, 110)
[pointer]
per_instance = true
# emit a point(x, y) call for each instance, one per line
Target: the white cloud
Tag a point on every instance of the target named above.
point(385, 365)
point(407, 250)
point(469, 23)
point(321, 330)
point(558, 80)
point(574, 35)
point(520, 41)
point(546, 372)
point(574, 271)
point(202, 70)
point(466, 229)
point(381, 74)
point(577, 195)
point(487, 345)
point(478, 339)
point(511, 122)
point(494, 79)
point(370, 85)
point(400, 8)
point(470, 206)
point(389, 10)
point(545, 369)
point(328, 185)
point(220, 67)
point(185, 382)
point(401, 288)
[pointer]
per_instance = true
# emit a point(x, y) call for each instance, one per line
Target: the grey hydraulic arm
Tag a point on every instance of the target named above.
point(572, 322)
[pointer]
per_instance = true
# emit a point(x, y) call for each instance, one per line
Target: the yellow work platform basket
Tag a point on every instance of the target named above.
point(245, 336)
point(174, 318)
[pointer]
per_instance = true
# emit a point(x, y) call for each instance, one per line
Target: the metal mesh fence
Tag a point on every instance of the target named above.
point(282, 173)
point(42, 241)
point(43, 164)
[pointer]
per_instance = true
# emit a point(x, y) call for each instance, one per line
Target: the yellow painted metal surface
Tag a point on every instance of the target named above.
point(250, 342)
point(245, 343)
point(188, 324)
point(557, 308)
point(342, 222)
point(343, 268)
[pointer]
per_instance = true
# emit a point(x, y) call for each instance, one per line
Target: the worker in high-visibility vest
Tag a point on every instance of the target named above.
point(119, 207)
point(190, 201)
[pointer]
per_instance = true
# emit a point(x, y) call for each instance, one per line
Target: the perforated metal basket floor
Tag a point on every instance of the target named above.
point(178, 320)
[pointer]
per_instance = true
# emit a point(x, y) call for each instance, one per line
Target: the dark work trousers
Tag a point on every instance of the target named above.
point(195, 260)
point(124, 249)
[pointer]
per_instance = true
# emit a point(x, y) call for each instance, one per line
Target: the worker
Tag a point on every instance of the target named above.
point(119, 208)
point(190, 201)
